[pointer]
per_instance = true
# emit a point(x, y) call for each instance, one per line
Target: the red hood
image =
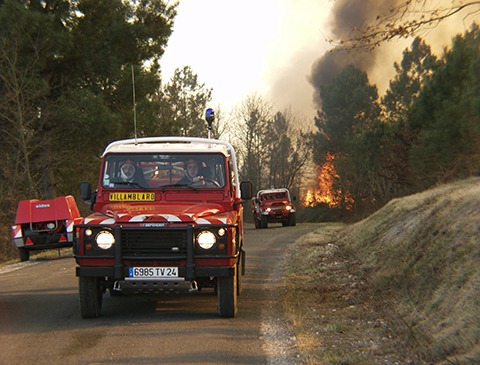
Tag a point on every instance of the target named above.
point(207, 213)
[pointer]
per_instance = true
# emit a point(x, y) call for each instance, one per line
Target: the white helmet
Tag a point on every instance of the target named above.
point(127, 171)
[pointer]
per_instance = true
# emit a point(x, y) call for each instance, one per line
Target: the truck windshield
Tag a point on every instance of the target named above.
point(153, 171)
point(275, 196)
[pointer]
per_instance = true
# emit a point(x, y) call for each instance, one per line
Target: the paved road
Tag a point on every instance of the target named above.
point(40, 319)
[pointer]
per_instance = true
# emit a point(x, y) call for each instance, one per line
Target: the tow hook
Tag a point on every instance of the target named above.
point(116, 286)
point(193, 286)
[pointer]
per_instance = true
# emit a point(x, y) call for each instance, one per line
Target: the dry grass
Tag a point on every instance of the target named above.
point(400, 287)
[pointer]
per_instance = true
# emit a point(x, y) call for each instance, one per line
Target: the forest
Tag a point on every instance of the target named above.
point(424, 131)
point(66, 72)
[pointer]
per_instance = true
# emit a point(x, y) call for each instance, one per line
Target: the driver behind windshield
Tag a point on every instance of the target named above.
point(192, 170)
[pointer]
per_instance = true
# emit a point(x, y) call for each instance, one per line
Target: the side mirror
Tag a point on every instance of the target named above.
point(86, 191)
point(246, 190)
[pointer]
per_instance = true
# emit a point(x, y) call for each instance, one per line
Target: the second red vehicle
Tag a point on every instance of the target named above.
point(273, 206)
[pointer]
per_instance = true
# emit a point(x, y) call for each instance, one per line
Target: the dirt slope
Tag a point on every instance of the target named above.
point(400, 287)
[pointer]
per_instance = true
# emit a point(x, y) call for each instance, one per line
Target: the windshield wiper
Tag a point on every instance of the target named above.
point(131, 183)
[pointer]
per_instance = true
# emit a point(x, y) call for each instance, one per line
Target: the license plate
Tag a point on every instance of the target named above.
point(153, 272)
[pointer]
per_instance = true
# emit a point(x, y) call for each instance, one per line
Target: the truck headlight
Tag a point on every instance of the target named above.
point(288, 207)
point(104, 240)
point(206, 240)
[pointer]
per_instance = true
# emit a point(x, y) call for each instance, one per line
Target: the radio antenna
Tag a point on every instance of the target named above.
point(134, 107)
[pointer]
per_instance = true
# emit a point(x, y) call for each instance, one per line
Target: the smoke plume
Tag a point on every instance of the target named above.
point(346, 16)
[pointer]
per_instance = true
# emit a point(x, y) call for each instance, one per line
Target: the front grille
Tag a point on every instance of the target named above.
point(153, 243)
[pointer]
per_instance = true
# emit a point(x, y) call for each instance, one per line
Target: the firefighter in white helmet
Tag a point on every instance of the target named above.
point(127, 171)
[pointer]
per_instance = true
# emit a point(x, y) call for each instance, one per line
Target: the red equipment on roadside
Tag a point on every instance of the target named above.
point(45, 224)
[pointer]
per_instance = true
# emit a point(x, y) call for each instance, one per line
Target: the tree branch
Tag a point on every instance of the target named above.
point(402, 21)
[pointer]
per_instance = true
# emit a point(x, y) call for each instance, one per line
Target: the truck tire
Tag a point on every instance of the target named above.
point(240, 272)
point(24, 254)
point(264, 222)
point(291, 220)
point(227, 295)
point(91, 295)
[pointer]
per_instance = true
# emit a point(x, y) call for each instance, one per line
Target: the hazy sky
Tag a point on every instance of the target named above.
point(243, 47)
point(268, 47)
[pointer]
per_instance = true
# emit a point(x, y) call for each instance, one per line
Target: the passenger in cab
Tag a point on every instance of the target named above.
point(132, 174)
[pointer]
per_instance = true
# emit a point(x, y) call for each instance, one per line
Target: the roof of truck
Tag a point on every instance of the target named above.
point(270, 191)
point(169, 145)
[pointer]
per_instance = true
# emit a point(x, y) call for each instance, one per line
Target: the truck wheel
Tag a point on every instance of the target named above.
point(24, 254)
point(91, 296)
point(240, 272)
point(227, 295)
point(291, 220)
point(264, 222)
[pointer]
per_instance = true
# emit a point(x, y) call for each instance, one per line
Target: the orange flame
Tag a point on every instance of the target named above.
point(325, 192)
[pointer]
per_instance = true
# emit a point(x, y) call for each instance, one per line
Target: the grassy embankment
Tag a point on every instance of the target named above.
point(400, 287)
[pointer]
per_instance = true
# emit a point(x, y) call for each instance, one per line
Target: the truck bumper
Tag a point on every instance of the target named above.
point(109, 272)
point(114, 265)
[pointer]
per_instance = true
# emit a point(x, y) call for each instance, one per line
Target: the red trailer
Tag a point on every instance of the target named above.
point(45, 224)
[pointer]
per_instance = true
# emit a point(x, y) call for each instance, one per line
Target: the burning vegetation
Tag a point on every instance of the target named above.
point(327, 190)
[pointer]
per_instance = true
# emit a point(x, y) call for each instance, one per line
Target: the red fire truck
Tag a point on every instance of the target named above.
point(273, 206)
point(167, 216)
point(44, 224)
